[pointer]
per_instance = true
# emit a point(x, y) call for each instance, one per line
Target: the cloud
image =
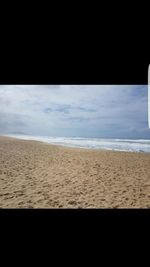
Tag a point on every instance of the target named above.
point(47, 110)
point(108, 110)
point(11, 122)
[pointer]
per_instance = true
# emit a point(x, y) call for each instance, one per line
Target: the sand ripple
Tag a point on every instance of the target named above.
point(38, 175)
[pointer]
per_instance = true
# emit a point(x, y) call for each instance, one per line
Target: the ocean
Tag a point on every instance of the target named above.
point(130, 145)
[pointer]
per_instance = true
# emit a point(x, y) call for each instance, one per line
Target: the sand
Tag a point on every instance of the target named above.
point(38, 175)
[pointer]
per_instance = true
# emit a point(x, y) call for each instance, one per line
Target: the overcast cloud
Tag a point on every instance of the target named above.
point(75, 110)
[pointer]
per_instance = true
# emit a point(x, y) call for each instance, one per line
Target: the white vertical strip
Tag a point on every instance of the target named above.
point(149, 96)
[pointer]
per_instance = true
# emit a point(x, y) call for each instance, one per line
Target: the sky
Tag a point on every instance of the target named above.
point(105, 111)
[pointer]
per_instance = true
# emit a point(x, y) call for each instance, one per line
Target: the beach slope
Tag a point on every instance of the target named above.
point(38, 175)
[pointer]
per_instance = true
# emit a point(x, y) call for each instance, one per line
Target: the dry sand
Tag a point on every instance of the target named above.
point(38, 175)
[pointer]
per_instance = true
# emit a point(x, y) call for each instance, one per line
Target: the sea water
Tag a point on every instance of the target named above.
point(133, 145)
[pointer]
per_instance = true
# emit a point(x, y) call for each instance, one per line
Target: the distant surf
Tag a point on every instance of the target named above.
point(132, 145)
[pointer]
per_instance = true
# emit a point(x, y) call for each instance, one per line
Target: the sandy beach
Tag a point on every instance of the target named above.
point(38, 175)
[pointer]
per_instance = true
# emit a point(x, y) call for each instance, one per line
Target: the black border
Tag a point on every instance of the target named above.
point(81, 217)
point(107, 226)
point(91, 65)
point(92, 72)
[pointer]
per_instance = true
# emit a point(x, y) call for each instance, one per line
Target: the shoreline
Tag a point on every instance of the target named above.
point(35, 174)
point(75, 147)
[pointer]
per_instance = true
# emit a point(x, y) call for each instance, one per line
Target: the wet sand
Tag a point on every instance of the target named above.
point(38, 175)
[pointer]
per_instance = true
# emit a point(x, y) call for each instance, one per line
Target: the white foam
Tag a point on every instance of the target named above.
point(141, 145)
